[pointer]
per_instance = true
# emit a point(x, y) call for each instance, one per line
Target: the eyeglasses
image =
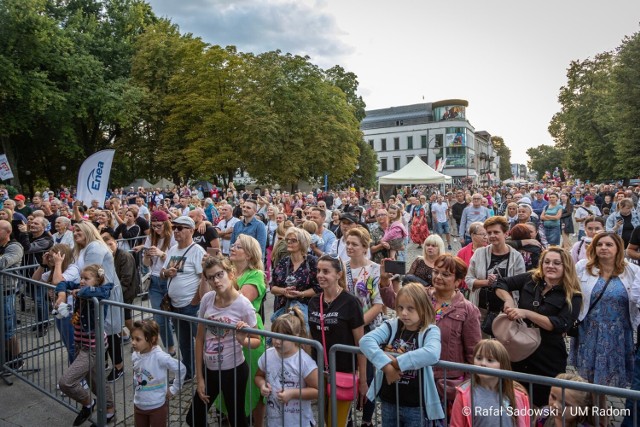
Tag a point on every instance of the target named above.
point(179, 228)
point(236, 247)
point(480, 234)
point(381, 215)
point(291, 241)
point(549, 262)
point(443, 274)
point(211, 279)
point(157, 225)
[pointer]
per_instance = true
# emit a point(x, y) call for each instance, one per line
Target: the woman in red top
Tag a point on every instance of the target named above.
point(478, 240)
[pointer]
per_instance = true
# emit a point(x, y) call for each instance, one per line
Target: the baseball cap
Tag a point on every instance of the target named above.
point(159, 216)
point(588, 198)
point(19, 197)
point(184, 220)
point(348, 217)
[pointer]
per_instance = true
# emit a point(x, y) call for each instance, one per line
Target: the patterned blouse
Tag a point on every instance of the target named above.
point(303, 278)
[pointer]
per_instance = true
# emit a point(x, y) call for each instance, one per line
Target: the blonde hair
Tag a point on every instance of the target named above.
point(252, 248)
point(91, 234)
point(570, 282)
point(433, 239)
point(304, 238)
point(283, 227)
point(361, 234)
point(415, 292)
point(62, 249)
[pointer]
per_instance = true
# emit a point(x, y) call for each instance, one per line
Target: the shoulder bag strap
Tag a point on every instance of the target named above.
point(593, 304)
point(324, 341)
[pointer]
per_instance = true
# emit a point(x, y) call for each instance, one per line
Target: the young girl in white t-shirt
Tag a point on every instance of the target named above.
point(150, 381)
point(287, 376)
point(226, 369)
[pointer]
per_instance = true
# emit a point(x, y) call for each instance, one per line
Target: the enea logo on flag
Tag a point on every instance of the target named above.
point(95, 178)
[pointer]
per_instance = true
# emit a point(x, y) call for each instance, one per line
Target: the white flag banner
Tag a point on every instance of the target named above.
point(93, 177)
point(5, 169)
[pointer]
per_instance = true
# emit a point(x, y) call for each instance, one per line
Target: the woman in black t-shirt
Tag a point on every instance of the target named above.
point(343, 324)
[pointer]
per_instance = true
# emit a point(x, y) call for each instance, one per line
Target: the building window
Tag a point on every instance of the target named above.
point(439, 140)
point(383, 143)
point(396, 163)
point(396, 143)
point(383, 165)
point(399, 123)
point(423, 141)
point(371, 144)
point(409, 158)
point(424, 158)
point(409, 143)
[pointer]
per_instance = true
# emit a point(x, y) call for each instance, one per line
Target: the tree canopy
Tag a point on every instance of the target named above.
point(595, 130)
point(84, 75)
point(505, 157)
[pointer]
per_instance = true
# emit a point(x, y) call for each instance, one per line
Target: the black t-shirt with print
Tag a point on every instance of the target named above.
point(340, 318)
point(204, 239)
point(499, 265)
point(408, 387)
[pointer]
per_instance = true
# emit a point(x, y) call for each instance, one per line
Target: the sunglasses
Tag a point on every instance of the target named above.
point(179, 228)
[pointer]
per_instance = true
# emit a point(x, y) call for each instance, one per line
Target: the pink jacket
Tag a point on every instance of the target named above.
point(461, 417)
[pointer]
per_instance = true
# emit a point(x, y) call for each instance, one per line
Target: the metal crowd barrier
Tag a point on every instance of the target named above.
point(564, 385)
point(45, 360)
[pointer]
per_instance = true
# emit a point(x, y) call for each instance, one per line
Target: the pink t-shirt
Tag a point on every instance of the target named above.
point(221, 349)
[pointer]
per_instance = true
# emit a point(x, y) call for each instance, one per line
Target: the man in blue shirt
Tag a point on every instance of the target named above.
point(539, 203)
point(250, 225)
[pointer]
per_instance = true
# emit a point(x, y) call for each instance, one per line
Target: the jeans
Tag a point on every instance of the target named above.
point(39, 294)
point(65, 328)
point(553, 234)
point(635, 385)
point(405, 416)
point(186, 333)
point(157, 291)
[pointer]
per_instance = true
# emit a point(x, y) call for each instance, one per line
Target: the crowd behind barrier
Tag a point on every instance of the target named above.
point(387, 237)
point(44, 361)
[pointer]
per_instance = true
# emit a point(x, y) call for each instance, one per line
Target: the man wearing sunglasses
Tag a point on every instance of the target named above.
point(183, 268)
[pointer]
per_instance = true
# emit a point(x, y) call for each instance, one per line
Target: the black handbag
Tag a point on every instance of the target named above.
point(487, 323)
point(573, 330)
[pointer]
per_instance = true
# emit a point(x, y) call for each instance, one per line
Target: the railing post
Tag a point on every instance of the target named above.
point(101, 384)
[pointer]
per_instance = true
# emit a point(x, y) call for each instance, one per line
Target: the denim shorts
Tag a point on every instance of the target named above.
point(442, 227)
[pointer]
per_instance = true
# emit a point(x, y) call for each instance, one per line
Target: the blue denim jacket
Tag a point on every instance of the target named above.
point(424, 357)
point(87, 315)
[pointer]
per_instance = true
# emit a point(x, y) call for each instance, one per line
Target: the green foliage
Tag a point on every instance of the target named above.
point(544, 158)
point(596, 129)
point(83, 75)
point(504, 152)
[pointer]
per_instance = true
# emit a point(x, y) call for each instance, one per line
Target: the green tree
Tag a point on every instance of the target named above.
point(583, 129)
point(625, 111)
point(544, 158)
point(504, 152)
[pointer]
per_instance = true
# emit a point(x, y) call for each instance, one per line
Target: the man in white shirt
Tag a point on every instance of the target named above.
point(583, 211)
point(440, 215)
point(225, 227)
point(143, 211)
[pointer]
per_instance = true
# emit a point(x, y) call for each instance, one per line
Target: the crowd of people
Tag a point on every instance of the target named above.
point(323, 255)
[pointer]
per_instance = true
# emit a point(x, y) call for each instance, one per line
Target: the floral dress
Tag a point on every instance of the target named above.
point(603, 352)
point(419, 227)
point(303, 278)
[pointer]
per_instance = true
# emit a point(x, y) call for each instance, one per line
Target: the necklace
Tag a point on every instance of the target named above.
point(329, 302)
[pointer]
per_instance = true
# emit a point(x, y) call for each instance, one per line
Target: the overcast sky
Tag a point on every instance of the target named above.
point(508, 58)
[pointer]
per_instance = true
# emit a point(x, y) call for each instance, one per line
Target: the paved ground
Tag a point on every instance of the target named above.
point(23, 405)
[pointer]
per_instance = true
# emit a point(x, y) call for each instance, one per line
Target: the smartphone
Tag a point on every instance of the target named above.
point(395, 267)
point(299, 214)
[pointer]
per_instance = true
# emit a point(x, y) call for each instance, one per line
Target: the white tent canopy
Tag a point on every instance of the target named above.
point(415, 172)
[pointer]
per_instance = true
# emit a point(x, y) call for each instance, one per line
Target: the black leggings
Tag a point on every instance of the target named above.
point(115, 349)
point(233, 384)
